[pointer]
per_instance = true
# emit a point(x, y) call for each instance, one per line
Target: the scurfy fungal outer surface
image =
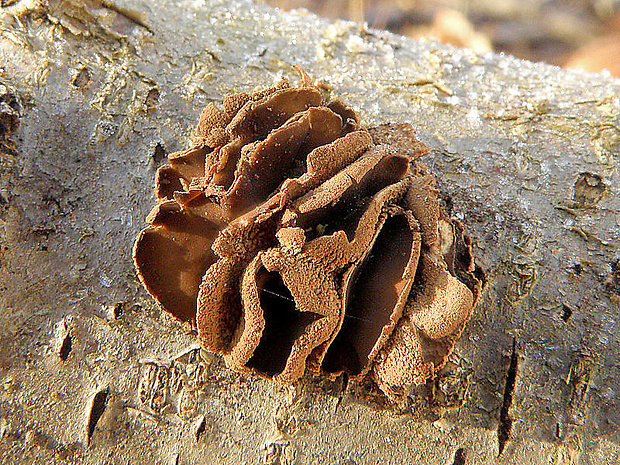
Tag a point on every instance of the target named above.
point(296, 240)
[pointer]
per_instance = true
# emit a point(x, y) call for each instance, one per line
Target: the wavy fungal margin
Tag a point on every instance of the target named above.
point(294, 239)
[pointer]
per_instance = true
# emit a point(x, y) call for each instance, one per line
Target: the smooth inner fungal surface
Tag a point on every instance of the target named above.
point(184, 239)
point(294, 239)
point(372, 298)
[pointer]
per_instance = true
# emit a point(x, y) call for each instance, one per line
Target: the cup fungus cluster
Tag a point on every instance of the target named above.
point(296, 240)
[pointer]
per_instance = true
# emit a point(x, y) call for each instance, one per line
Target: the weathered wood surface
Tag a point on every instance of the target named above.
point(105, 90)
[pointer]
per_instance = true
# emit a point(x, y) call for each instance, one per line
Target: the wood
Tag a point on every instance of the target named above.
point(90, 371)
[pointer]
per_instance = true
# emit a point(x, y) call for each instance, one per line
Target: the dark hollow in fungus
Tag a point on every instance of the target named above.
point(294, 240)
point(372, 301)
point(283, 324)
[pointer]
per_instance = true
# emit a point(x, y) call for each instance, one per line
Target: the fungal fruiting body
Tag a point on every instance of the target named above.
point(296, 240)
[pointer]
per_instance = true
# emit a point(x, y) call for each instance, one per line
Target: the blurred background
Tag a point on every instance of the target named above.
point(569, 33)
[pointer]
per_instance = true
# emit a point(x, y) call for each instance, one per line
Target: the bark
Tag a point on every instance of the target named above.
point(92, 372)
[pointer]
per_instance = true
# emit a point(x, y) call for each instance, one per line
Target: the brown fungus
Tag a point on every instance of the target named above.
point(296, 240)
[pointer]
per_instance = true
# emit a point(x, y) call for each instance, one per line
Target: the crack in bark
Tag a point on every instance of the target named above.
point(65, 348)
point(97, 408)
point(505, 421)
point(460, 456)
point(200, 429)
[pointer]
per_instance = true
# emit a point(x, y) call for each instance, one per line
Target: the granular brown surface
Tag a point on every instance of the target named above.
point(294, 239)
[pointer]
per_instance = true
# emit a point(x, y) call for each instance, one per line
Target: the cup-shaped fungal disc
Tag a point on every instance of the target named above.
point(296, 240)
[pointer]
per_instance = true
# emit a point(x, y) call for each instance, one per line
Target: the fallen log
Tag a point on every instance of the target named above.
point(94, 95)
